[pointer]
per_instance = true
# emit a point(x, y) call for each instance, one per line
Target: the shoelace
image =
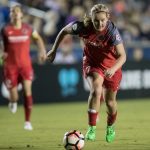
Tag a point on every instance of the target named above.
point(110, 131)
point(91, 130)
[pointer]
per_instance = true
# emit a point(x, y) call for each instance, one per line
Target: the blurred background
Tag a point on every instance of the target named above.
point(62, 80)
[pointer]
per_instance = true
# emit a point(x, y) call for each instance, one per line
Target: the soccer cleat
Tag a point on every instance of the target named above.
point(28, 126)
point(91, 133)
point(12, 107)
point(110, 134)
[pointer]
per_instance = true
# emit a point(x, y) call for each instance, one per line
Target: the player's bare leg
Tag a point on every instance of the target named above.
point(13, 99)
point(111, 103)
point(27, 103)
point(102, 100)
point(95, 81)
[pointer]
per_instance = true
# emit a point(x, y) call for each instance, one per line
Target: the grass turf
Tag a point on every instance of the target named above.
point(51, 121)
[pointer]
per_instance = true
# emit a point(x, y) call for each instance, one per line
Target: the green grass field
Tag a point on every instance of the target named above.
point(51, 121)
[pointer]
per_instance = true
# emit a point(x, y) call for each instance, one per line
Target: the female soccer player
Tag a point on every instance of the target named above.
point(103, 57)
point(17, 62)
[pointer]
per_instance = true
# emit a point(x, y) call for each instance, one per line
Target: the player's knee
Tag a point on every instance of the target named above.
point(95, 93)
point(111, 103)
point(27, 93)
point(14, 97)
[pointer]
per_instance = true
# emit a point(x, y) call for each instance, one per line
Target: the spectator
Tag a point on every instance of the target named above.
point(65, 54)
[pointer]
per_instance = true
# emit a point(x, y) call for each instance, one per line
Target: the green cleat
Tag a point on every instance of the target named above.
point(91, 133)
point(110, 134)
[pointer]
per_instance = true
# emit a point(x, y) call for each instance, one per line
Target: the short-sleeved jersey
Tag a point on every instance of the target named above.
point(99, 50)
point(17, 45)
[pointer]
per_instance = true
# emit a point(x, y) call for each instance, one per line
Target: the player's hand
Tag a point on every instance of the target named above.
point(109, 72)
point(51, 55)
point(2, 58)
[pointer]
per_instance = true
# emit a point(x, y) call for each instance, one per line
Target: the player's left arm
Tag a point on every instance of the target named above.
point(42, 51)
point(120, 50)
point(121, 56)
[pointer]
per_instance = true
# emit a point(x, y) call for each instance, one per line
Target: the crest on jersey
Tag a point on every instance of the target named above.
point(118, 38)
point(74, 27)
point(24, 31)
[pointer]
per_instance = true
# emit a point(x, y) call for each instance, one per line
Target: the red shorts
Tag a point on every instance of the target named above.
point(14, 75)
point(109, 83)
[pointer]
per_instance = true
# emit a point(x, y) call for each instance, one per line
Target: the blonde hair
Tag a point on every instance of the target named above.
point(99, 8)
point(87, 20)
point(17, 6)
point(95, 9)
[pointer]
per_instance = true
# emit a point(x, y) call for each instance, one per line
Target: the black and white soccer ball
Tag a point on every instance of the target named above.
point(73, 140)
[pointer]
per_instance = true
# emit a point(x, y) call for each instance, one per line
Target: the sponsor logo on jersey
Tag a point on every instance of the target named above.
point(93, 43)
point(15, 39)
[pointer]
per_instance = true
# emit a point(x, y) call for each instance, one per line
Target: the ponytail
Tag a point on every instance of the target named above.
point(87, 20)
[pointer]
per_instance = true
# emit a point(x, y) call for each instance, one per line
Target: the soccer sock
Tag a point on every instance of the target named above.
point(111, 118)
point(28, 107)
point(92, 116)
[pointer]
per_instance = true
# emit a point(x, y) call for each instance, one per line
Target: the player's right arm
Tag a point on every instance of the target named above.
point(3, 54)
point(72, 28)
point(52, 53)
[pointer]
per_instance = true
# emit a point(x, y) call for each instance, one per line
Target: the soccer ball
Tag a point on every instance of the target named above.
point(73, 140)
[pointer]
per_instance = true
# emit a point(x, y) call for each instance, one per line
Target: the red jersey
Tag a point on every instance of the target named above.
point(99, 50)
point(17, 45)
